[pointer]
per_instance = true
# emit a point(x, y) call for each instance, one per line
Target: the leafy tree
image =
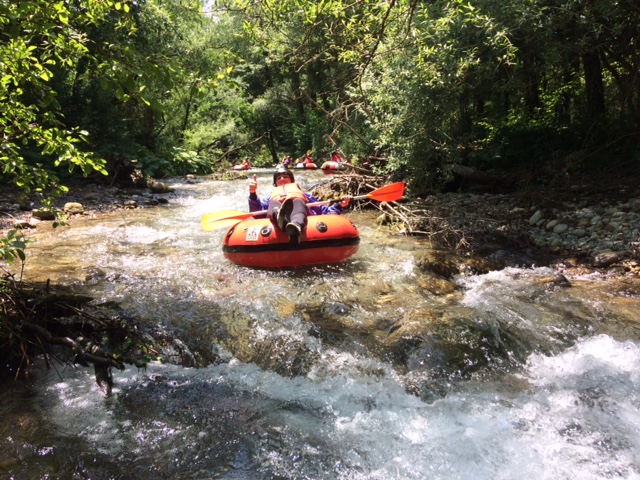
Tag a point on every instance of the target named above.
point(83, 85)
point(38, 38)
point(310, 51)
point(496, 85)
point(206, 112)
point(121, 89)
point(189, 86)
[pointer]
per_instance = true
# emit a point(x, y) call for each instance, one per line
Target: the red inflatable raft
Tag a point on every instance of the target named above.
point(332, 166)
point(259, 243)
point(306, 166)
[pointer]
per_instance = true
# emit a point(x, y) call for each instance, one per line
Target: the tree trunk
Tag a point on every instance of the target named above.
point(532, 87)
point(593, 83)
point(563, 107)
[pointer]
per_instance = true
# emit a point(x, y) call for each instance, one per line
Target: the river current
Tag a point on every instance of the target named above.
point(351, 371)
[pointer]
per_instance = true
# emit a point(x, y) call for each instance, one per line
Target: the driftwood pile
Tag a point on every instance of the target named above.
point(64, 329)
point(406, 216)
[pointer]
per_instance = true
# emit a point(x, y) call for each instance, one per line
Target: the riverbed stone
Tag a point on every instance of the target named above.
point(605, 259)
point(43, 214)
point(551, 225)
point(560, 228)
point(23, 224)
point(435, 284)
point(556, 280)
point(159, 187)
point(555, 243)
point(438, 263)
point(612, 227)
point(73, 208)
point(584, 223)
point(536, 217)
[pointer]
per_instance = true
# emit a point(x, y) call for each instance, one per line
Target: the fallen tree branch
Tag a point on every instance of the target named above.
point(34, 318)
point(477, 176)
point(96, 355)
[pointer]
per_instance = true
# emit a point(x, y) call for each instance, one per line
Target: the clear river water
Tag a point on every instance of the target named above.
point(355, 371)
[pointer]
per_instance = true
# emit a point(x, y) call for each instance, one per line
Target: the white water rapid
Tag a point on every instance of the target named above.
point(510, 378)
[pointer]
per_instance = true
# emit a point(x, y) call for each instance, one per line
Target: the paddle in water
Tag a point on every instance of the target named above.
point(227, 218)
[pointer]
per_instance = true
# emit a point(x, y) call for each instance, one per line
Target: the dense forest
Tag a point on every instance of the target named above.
point(543, 89)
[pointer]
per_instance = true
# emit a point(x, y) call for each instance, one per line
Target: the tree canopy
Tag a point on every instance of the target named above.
point(545, 87)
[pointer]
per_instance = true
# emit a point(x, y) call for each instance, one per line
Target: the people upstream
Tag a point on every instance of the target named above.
point(307, 158)
point(287, 205)
point(287, 161)
point(336, 157)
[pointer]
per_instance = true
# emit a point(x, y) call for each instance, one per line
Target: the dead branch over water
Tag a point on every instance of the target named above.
point(407, 216)
point(36, 319)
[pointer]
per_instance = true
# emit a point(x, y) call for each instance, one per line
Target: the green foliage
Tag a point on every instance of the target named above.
point(12, 247)
point(192, 86)
point(188, 161)
point(38, 39)
point(176, 162)
point(74, 81)
point(495, 85)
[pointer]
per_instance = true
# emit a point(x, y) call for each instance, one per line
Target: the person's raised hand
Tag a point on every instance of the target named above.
point(345, 201)
point(253, 184)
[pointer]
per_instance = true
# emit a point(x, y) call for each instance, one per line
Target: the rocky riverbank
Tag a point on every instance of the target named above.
point(593, 231)
point(596, 230)
point(87, 200)
point(605, 231)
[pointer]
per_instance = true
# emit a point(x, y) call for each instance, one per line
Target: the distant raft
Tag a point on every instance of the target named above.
point(306, 166)
point(259, 243)
point(241, 167)
point(333, 166)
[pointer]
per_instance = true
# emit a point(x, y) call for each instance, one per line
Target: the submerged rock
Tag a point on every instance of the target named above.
point(159, 187)
point(605, 259)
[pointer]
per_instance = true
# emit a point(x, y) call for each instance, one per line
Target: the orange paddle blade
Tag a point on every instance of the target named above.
point(390, 193)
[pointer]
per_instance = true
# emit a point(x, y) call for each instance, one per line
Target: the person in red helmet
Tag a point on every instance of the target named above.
point(337, 157)
point(287, 205)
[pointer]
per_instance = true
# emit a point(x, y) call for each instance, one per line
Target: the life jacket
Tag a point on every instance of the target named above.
point(288, 190)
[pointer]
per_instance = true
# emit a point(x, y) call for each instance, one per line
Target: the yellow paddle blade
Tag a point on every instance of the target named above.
point(222, 219)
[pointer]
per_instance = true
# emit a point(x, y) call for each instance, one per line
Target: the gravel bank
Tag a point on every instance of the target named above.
point(600, 231)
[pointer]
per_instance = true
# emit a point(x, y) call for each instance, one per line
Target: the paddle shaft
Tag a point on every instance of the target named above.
point(215, 220)
point(323, 202)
